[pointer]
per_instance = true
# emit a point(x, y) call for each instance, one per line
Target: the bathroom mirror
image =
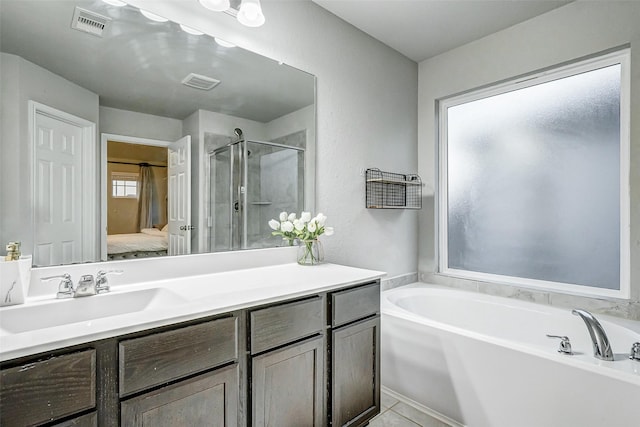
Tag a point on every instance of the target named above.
point(117, 124)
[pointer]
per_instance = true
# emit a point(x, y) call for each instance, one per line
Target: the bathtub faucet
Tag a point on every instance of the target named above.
point(601, 346)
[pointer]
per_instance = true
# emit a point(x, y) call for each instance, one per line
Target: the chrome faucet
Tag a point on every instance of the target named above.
point(87, 286)
point(601, 346)
point(102, 284)
point(65, 287)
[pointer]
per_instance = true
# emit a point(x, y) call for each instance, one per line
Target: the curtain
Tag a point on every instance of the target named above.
point(145, 203)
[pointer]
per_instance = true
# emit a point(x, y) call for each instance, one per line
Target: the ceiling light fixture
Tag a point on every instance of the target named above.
point(116, 3)
point(153, 16)
point(191, 30)
point(223, 43)
point(250, 13)
point(216, 5)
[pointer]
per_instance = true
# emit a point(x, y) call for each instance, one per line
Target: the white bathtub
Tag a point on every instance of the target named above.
point(485, 361)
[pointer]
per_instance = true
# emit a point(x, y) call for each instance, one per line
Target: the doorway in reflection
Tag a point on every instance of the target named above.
point(251, 182)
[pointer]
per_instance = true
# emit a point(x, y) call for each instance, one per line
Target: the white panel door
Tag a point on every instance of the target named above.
point(179, 174)
point(58, 192)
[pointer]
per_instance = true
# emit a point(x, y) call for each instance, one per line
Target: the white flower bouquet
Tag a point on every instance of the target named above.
point(304, 228)
point(306, 231)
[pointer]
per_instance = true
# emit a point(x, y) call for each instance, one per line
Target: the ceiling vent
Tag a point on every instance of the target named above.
point(198, 81)
point(89, 22)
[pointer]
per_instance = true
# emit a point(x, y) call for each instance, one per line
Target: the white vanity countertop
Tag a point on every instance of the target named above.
point(178, 300)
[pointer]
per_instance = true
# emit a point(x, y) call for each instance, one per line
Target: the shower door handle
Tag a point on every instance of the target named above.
point(236, 206)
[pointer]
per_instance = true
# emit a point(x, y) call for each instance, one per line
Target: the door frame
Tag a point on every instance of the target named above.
point(104, 139)
point(89, 202)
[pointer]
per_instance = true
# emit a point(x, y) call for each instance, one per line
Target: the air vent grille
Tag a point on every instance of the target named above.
point(89, 22)
point(198, 81)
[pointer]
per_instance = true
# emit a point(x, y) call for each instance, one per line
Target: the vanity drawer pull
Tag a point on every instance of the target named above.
point(355, 303)
point(285, 323)
point(48, 390)
point(166, 356)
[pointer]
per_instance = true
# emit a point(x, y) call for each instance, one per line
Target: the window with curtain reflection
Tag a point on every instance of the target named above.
point(534, 180)
point(124, 185)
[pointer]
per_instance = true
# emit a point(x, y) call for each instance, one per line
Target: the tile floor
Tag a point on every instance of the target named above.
point(398, 414)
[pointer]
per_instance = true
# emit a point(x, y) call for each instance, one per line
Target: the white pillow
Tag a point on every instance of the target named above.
point(153, 232)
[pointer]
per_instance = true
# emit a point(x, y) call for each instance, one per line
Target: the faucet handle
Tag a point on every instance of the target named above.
point(635, 351)
point(65, 287)
point(565, 344)
point(102, 284)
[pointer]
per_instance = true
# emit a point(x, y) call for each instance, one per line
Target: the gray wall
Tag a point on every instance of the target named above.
point(29, 82)
point(131, 123)
point(366, 100)
point(564, 34)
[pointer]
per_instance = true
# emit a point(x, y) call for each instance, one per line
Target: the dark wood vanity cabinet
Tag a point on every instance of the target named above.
point(206, 399)
point(287, 386)
point(313, 361)
point(355, 355)
point(41, 391)
point(287, 350)
point(209, 399)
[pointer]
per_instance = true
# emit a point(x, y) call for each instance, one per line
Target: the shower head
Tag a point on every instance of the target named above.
point(238, 133)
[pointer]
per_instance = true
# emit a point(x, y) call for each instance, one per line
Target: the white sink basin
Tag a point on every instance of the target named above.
point(18, 319)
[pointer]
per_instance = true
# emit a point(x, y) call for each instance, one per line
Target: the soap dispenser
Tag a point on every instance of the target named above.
point(13, 251)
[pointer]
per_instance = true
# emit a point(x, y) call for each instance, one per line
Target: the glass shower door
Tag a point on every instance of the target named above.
point(249, 184)
point(224, 205)
point(274, 183)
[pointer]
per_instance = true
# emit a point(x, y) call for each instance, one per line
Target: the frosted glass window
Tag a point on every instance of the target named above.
point(533, 181)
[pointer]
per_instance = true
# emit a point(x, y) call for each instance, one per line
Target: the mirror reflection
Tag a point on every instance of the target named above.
point(124, 137)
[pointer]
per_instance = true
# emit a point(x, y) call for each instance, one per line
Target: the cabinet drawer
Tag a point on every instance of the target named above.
point(281, 324)
point(355, 303)
point(166, 356)
point(48, 390)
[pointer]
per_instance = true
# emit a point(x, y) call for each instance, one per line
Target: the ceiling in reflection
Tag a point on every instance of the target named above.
point(138, 64)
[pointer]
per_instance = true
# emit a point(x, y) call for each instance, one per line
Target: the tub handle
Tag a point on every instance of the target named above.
point(565, 344)
point(635, 351)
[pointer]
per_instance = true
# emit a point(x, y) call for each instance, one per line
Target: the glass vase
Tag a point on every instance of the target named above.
point(310, 252)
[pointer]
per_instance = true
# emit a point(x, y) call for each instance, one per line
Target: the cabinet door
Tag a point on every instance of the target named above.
point(288, 386)
point(207, 400)
point(89, 420)
point(356, 373)
point(47, 390)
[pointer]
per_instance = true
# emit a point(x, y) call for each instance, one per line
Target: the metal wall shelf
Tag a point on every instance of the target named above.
point(389, 190)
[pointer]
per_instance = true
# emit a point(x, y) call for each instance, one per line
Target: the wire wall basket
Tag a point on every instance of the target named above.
point(388, 190)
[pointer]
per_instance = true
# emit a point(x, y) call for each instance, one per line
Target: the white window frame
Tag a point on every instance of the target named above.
point(621, 57)
point(127, 177)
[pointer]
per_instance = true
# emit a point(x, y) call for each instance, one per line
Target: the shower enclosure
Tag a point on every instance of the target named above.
point(251, 182)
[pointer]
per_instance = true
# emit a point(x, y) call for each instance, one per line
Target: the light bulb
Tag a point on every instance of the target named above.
point(223, 43)
point(191, 30)
point(250, 13)
point(153, 16)
point(116, 3)
point(215, 5)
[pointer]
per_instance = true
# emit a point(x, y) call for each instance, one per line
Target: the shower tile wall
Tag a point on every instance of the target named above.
point(298, 140)
point(276, 187)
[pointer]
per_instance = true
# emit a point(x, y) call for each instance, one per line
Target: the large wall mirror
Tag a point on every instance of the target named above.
point(125, 137)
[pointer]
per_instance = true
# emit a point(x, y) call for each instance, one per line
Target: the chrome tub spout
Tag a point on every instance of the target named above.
point(601, 345)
